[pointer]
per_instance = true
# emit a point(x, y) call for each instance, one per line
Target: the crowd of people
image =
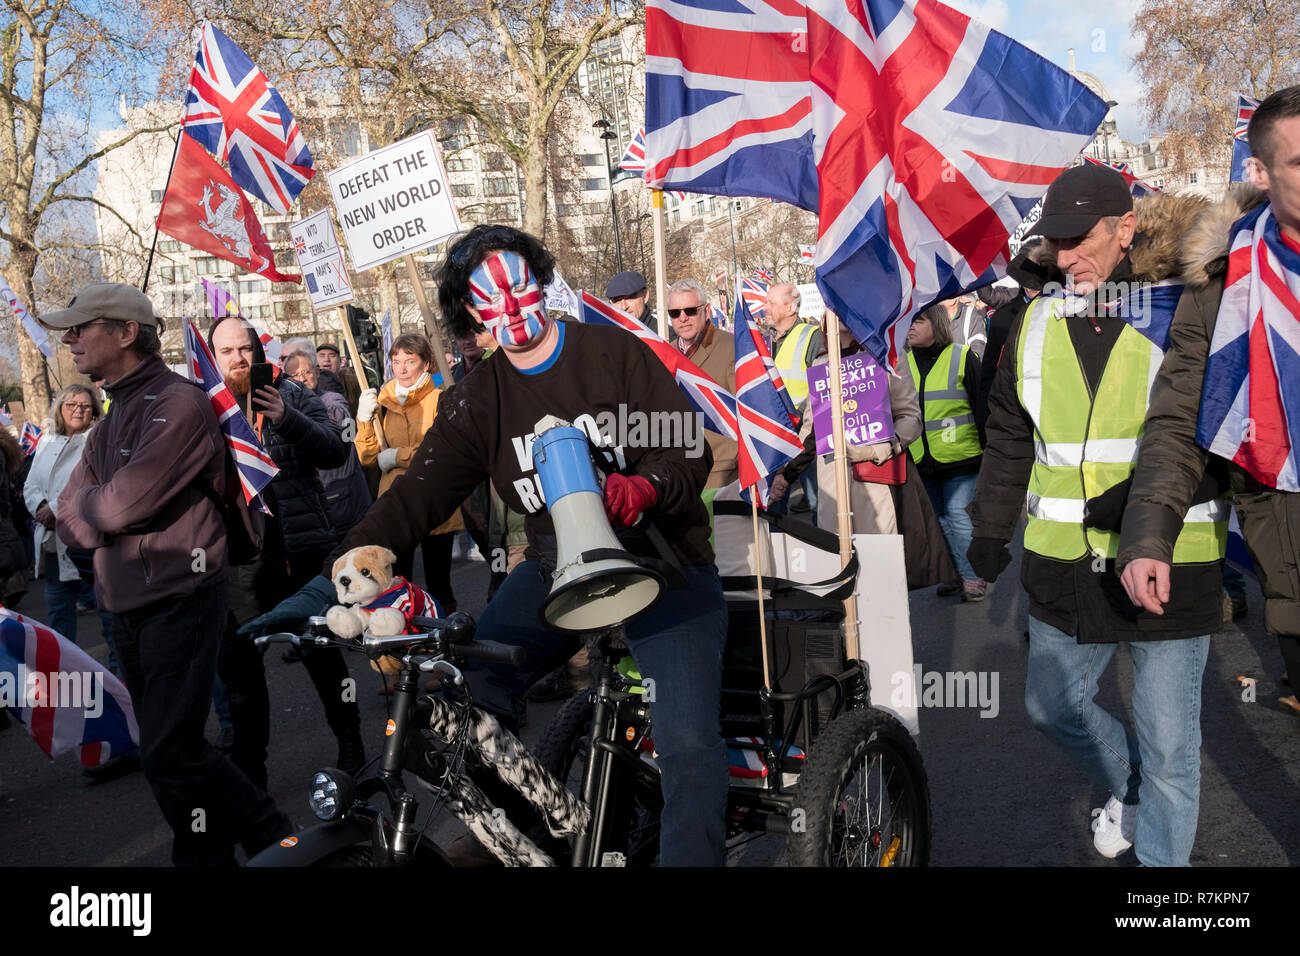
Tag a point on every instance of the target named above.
point(1068, 399)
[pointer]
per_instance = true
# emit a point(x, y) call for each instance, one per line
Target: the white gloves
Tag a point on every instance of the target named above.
point(367, 404)
point(387, 459)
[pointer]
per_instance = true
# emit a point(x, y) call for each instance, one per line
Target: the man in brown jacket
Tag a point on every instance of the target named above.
point(141, 497)
point(699, 341)
point(1171, 462)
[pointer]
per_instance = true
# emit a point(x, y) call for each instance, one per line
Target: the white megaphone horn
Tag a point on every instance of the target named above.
point(596, 583)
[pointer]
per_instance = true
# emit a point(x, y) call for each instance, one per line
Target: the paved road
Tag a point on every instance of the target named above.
point(1002, 795)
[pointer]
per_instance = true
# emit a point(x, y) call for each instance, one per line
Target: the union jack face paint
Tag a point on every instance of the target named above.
point(508, 299)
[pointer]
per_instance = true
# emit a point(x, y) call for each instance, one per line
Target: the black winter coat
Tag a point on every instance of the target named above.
point(12, 553)
point(305, 440)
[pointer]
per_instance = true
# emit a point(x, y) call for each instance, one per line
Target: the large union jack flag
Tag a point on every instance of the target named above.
point(768, 424)
point(715, 403)
point(65, 698)
point(1240, 144)
point(255, 466)
point(239, 117)
point(1137, 187)
point(920, 136)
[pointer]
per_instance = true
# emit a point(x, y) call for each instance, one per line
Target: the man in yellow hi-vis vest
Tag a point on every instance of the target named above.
point(1066, 416)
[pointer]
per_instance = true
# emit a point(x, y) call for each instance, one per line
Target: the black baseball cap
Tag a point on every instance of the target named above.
point(1081, 197)
point(625, 283)
point(328, 347)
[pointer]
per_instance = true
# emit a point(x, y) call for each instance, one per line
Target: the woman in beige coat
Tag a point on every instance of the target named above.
point(404, 410)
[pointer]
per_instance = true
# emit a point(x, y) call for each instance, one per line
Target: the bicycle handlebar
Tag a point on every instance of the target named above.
point(455, 631)
point(492, 653)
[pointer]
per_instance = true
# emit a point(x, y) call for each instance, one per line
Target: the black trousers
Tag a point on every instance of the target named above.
point(253, 589)
point(436, 549)
point(168, 654)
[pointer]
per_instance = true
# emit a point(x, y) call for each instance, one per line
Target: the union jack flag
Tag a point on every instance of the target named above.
point(239, 117)
point(715, 403)
point(1137, 187)
point(66, 699)
point(1250, 399)
point(30, 438)
point(766, 414)
point(920, 136)
point(755, 295)
point(633, 161)
point(764, 275)
point(254, 465)
point(1240, 144)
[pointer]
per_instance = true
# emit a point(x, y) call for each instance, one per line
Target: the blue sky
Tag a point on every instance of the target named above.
point(1100, 31)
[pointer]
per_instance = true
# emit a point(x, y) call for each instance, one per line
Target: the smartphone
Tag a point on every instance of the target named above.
point(261, 375)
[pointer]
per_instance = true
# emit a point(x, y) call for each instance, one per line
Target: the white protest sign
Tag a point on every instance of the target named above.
point(321, 260)
point(811, 305)
point(394, 201)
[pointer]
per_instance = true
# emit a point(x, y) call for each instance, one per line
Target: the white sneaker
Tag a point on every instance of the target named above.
point(1113, 827)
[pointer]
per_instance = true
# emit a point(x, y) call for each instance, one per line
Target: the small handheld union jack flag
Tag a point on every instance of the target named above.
point(633, 161)
point(768, 436)
point(1137, 187)
point(1240, 144)
point(238, 116)
point(255, 466)
point(715, 403)
point(755, 295)
point(30, 437)
point(764, 275)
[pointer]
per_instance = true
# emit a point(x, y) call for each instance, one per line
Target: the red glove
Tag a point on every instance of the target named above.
point(626, 496)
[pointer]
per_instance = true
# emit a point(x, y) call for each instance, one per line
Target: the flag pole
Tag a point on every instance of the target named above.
point(661, 281)
point(355, 355)
point(430, 326)
point(841, 465)
point(176, 148)
point(758, 561)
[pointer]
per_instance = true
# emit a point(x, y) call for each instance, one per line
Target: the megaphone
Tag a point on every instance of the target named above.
point(596, 583)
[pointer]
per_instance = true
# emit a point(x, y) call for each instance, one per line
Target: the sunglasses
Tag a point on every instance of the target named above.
point(76, 331)
point(693, 311)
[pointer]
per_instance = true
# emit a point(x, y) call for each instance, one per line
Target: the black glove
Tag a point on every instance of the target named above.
point(988, 556)
point(1106, 511)
point(292, 613)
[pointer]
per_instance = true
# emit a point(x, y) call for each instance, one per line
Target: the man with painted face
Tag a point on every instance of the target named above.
point(493, 277)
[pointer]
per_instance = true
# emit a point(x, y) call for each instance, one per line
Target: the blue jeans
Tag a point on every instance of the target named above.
point(61, 604)
point(678, 643)
point(1160, 766)
point(950, 496)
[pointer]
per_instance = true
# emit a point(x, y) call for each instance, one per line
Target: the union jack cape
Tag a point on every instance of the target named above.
point(1240, 144)
point(48, 673)
point(239, 117)
point(1250, 398)
point(769, 435)
point(921, 137)
point(254, 465)
point(715, 403)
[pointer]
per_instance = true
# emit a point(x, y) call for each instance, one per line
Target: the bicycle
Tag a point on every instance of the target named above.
point(610, 808)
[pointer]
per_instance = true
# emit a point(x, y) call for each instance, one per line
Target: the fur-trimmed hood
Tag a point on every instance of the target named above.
point(1205, 250)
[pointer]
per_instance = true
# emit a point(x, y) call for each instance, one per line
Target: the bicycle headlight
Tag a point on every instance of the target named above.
point(331, 793)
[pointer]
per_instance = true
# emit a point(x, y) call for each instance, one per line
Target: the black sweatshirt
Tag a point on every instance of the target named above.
point(484, 429)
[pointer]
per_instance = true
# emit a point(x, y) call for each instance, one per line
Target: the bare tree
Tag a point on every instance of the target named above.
point(1196, 58)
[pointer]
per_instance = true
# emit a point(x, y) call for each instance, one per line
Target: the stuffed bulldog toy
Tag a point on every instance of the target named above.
point(372, 601)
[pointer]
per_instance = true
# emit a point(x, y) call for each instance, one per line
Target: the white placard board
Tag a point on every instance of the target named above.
point(394, 201)
point(320, 257)
point(885, 623)
point(811, 305)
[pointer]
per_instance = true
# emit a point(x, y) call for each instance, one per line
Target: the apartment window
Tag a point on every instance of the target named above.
point(593, 184)
point(496, 162)
point(208, 266)
point(592, 159)
point(1192, 179)
point(174, 273)
point(280, 232)
point(286, 259)
point(250, 286)
point(156, 195)
point(462, 190)
point(497, 186)
point(168, 245)
point(460, 164)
